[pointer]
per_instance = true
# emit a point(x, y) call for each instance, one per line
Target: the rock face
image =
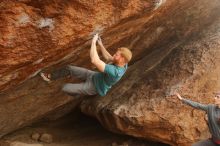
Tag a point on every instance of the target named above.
point(48, 34)
point(37, 34)
point(142, 104)
point(175, 46)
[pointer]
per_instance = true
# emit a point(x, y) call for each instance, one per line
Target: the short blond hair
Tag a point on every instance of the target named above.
point(126, 53)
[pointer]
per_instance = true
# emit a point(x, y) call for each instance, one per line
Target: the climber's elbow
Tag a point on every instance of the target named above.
point(99, 64)
point(94, 60)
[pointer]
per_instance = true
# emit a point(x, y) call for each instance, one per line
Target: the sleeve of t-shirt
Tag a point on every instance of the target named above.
point(110, 70)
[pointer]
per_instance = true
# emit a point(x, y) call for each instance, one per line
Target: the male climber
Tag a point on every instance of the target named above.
point(95, 82)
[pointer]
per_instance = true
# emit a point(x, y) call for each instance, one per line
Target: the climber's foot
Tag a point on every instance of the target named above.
point(45, 76)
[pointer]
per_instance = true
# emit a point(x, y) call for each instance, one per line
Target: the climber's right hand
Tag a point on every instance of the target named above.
point(100, 41)
point(95, 38)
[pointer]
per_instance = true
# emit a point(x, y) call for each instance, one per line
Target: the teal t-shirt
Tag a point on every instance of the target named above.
point(103, 81)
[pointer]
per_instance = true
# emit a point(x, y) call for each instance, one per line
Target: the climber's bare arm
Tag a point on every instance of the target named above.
point(94, 55)
point(105, 53)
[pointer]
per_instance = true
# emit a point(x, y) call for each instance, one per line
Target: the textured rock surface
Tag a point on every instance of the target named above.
point(36, 34)
point(75, 129)
point(175, 46)
point(23, 144)
point(47, 138)
point(142, 104)
point(39, 34)
point(17, 143)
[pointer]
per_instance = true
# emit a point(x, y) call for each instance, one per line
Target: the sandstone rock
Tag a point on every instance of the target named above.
point(47, 138)
point(175, 45)
point(50, 34)
point(4, 143)
point(23, 144)
point(114, 144)
point(45, 38)
point(35, 136)
point(125, 144)
point(142, 104)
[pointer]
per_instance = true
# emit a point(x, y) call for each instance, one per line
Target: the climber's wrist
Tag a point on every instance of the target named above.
point(94, 41)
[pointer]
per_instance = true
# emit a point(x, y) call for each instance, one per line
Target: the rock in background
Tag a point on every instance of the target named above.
point(175, 45)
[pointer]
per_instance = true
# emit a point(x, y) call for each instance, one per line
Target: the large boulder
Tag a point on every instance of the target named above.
point(175, 44)
point(143, 105)
point(38, 35)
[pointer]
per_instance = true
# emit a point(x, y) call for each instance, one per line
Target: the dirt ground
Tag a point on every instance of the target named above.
point(75, 131)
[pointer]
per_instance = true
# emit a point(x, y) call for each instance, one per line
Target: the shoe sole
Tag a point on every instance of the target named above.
point(44, 77)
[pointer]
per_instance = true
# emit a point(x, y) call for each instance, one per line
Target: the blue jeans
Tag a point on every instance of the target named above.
point(85, 88)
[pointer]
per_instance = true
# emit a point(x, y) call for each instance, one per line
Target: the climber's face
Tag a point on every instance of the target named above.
point(118, 58)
